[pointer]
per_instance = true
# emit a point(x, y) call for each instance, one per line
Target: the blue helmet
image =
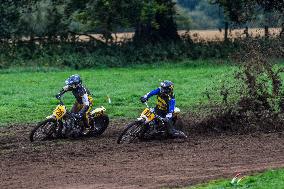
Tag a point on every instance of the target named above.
point(167, 87)
point(73, 80)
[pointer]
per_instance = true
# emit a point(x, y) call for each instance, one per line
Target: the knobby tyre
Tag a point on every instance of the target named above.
point(132, 132)
point(100, 124)
point(43, 130)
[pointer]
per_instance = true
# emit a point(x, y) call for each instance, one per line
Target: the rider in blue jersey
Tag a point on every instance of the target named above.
point(165, 105)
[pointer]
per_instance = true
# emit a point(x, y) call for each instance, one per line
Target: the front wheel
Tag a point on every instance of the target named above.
point(43, 131)
point(132, 132)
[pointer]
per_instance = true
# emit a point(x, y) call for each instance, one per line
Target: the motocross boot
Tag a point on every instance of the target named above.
point(86, 126)
point(173, 133)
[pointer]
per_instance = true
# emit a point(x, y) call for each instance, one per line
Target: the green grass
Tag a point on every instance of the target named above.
point(27, 95)
point(273, 179)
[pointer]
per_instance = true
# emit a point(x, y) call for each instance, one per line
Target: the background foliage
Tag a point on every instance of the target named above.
point(36, 31)
point(152, 20)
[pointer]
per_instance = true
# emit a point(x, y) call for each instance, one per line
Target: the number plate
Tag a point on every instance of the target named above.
point(59, 111)
point(148, 114)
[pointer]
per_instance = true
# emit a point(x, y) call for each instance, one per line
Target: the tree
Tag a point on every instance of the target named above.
point(201, 13)
point(152, 20)
point(237, 11)
point(104, 17)
point(44, 18)
point(9, 13)
point(190, 4)
point(155, 21)
point(243, 11)
point(270, 5)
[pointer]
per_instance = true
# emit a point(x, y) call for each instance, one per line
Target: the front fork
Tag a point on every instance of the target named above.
point(175, 118)
point(59, 132)
point(145, 128)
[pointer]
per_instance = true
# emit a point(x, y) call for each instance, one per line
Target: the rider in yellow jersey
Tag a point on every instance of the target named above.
point(84, 101)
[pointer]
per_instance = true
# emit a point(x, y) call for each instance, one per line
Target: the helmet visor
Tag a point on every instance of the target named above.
point(71, 83)
point(167, 90)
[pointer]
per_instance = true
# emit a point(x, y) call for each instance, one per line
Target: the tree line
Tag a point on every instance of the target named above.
point(201, 14)
point(61, 19)
point(244, 11)
point(152, 20)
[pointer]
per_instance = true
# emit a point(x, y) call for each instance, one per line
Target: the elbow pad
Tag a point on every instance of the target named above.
point(85, 100)
point(65, 88)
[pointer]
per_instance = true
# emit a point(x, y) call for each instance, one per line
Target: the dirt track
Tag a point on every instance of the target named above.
point(101, 163)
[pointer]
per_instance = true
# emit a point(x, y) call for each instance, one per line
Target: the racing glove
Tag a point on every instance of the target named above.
point(143, 99)
point(58, 96)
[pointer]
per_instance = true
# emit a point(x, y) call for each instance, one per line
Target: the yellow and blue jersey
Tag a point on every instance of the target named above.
point(165, 102)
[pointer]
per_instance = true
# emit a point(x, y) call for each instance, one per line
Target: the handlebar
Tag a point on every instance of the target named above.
point(146, 105)
point(60, 100)
point(69, 113)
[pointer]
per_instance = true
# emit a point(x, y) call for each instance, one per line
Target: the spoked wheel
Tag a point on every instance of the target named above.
point(43, 131)
point(73, 128)
point(132, 132)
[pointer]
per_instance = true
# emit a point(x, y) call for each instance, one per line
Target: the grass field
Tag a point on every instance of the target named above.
point(27, 95)
point(273, 179)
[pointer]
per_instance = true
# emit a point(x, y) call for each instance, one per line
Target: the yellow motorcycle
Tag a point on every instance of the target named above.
point(148, 126)
point(64, 124)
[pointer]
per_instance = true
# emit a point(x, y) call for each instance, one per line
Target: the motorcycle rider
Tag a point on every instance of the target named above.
point(84, 101)
point(165, 106)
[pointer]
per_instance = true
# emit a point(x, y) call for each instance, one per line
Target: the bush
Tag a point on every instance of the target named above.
point(254, 100)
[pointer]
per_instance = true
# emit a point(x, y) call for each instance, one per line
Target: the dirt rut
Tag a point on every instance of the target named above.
point(101, 163)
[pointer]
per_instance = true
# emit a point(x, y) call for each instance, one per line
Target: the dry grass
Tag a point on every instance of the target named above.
point(198, 35)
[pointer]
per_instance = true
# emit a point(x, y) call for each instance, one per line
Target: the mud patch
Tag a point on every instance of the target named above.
point(224, 121)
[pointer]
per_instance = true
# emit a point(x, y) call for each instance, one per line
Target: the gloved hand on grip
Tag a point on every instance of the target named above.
point(143, 99)
point(58, 96)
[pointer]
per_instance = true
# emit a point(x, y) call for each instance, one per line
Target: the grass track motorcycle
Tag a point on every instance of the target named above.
point(64, 124)
point(147, 126)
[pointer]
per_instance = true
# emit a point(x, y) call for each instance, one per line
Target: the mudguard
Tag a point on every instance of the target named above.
point(98, 112)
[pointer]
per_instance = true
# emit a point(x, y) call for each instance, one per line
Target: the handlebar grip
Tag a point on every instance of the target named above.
point(146, 104)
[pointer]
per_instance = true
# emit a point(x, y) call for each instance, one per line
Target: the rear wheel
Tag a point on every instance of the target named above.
point(43, 131)
point(132, 132)
point(100, 124)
